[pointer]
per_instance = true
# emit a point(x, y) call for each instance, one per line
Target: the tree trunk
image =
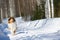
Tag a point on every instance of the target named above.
point(12, 8)
point(52, 7)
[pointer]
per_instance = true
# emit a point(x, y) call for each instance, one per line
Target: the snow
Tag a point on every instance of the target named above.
point(44, 29)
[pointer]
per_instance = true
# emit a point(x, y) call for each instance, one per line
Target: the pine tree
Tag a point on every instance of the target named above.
point(39, 12)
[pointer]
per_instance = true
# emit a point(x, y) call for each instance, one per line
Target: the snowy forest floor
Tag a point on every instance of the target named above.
point(44, 29)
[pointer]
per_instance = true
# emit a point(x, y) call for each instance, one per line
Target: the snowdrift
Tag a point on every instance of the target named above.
point(44, 29)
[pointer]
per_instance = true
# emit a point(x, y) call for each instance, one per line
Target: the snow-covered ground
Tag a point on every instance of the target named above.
point(44, 29)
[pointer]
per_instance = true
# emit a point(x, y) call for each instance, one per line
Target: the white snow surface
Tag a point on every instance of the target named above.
point(44, 29)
